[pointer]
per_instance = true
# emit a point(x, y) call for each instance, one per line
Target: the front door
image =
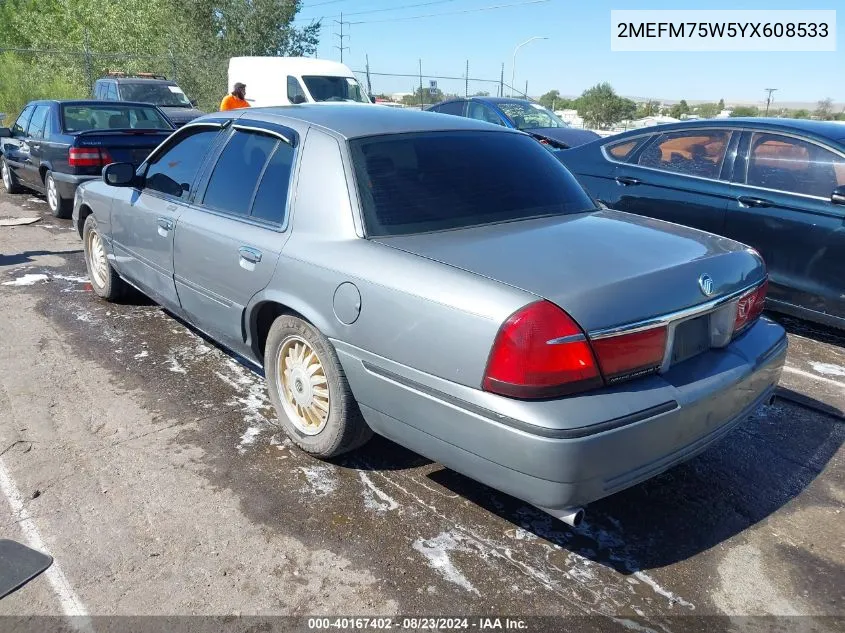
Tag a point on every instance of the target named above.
point(30, 173)
point(676, 177)
point(782, 207)
point(143, 220)
point(16, 148)
point(228, 242)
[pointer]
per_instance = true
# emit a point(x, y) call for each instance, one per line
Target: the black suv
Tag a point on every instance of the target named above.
point(148, 88)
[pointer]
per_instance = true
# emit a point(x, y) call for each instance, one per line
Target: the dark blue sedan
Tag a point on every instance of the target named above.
point(777, 185)
point(518, 114)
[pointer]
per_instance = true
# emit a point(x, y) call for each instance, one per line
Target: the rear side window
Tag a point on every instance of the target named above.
point(789, 164)
point(36, 124)
point(237, 172)
point(453, 107)
point(78, 118)
point(272, 195)
point(174, 170)
point(434, 181)
point(483, 112)
point(621, 151)
point(694, 153)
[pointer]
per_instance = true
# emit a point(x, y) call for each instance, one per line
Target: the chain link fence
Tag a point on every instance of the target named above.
point(55, 74)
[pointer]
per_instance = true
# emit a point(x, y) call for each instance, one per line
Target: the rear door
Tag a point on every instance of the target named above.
point(228, 242)
point(679, 176)
point(782, 207)
point(35, 140)
point(16, 148)
point(143, 221)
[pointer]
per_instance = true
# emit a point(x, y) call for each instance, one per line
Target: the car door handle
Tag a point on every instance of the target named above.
point(628, 180)
point(751, 201)
point(251, 255)
point(165, 223)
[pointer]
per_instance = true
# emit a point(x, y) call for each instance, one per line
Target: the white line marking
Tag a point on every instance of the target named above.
point(71, 604)
point(807, 374)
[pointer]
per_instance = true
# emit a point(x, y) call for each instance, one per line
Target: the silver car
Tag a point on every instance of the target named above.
point(445, 283)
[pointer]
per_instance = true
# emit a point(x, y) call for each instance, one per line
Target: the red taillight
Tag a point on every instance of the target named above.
point(630, 355)
point(540, 352)
point(750, 307)
point(88, 157)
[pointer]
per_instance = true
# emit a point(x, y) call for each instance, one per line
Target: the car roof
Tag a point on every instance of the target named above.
point(139, 80)
point(352, 120)
point(92, 102)
point(826, 129)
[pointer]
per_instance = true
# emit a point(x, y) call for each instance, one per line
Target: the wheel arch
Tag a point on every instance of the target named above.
point(266, 307)
point(84, 212)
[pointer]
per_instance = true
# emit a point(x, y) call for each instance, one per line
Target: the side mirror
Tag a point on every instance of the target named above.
point(119, 174)
point(194, 102)
point(5, 132)
point(838, 195)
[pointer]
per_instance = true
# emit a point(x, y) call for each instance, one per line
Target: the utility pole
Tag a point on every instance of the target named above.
point(340, 36)
point(466, 84)
point(369, 85)
point(769, 99)
point(502, 81)
point(525, 94)
point(422, 97)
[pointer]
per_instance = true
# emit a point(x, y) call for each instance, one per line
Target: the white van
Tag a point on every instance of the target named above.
point(274, 81)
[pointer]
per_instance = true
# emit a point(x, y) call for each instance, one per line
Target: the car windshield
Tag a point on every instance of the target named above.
point(527, 116)
point(79, 118)
point(158, 94)
point(324, 88)
point(434, 181)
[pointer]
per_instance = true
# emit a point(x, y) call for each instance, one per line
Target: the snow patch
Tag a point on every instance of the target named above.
point(85, 317)
point(36, 200)
point(374, 498)
point(321, 481)
point(249, 436)
point(673, 598)
point(26, 280)
point(828, 369)
point(141, 355)
point(74, 279)
point(437, 550)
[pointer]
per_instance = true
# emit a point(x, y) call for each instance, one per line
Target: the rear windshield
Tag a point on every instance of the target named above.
point(434, 181)
point(79, 118)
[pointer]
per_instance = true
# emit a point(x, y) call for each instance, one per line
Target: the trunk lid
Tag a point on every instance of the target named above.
point(604, 268)
point(123, 146)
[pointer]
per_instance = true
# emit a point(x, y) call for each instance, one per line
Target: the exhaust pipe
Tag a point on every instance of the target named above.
point(570, 516)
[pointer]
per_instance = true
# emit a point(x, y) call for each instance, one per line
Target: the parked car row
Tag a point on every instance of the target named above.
point(777, 185)
point(445, 283)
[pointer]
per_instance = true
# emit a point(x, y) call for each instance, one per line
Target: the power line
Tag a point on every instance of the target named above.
point(434, 15)
point(319, 4)
point(406, 6)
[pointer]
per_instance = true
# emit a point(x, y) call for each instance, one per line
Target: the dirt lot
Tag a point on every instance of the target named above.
point(144, 459)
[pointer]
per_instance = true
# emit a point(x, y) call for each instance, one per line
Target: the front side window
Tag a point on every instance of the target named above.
point(36, 124)
point(483, 112)
point(100, 91)
point(295, 92)
point(174, 171)
point(237, 172)
point(328, 88)
point(435, 181)
point(694, 153)
point(19, 127)
point(789, 164)
point(111, 91)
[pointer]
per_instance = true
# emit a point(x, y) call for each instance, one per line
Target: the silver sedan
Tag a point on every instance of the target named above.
point(447, 284)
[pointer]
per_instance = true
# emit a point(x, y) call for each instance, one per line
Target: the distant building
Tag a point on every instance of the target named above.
point(658, 119)
point(724, 114)
point(398, 96)
point(571, 117)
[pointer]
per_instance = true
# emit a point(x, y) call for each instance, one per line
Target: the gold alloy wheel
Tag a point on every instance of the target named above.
point(301, 382)
point(98, 264)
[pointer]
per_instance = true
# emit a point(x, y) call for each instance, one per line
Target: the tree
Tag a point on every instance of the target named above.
point(647, 108)
point(801, 114)
point(679, 109)
point(601, 107)
point(480, 93)
point(708, 110)
point(721, 104)
point(824, 111)
point(745, 111)
point(553, 101)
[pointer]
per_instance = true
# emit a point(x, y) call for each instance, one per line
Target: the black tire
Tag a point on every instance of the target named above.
point(345, 428)
point(59, 207)
point(112, 287)
point(10, 181)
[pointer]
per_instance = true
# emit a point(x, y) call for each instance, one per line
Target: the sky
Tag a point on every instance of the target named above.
point(576, 54)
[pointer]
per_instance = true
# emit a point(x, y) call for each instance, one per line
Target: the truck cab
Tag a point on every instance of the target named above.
point(148, 88)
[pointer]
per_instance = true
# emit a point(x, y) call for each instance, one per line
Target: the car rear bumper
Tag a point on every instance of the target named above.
point(67, 183)
point(568, 452)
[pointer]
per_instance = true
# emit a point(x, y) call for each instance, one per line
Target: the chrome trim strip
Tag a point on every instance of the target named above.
point(665, 319)
point(572, 338)
point(262, 130)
